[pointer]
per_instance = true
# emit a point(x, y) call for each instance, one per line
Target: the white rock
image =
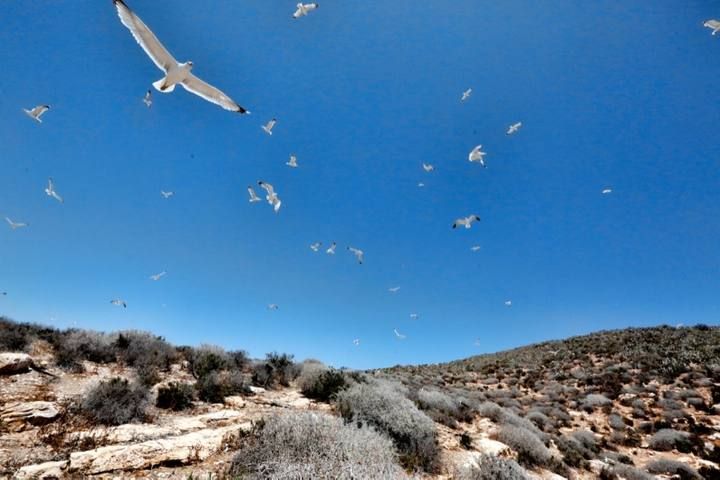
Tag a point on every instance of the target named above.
point(257, 390)
point(12, 363)
point(596, 466)
point(21, 414)
point(41, 471)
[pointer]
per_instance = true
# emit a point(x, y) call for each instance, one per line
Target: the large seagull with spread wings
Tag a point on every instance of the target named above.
point(175, 73)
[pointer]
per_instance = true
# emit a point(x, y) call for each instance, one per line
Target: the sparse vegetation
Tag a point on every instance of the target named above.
point(320, 382)
point(530, 449)
point(278, 369)
point(175, 396)
point(115, 402)
point(672, 467)
point(491, 467)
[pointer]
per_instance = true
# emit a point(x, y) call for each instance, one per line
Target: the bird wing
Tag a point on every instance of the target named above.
point(57, 197)
point(310, 6)
point(267, 187)
point(39, 110)
point(712, 24)
point(204, 90)
point(298, 13)
point(145, 37)
point(252, 193)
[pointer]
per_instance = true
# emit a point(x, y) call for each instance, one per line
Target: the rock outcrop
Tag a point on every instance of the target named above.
point(14, 363)
point(19, 415)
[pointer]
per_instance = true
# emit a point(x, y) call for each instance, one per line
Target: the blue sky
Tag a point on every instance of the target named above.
point(611, 94)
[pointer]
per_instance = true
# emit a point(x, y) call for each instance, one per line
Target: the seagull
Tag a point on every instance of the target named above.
point(158, 276)
point(476, 155)
point(147, 100)
point(477, 342)
point(269, 126)
point(399, 335)
point(466, 94)
point(466, 221)
point(315, 246)
point(393, 289)
point(421, 185)
point(304, 9)
point(292, 163)
point(37, 112)
point(414, 316)
point(15, 225)
point(119, 303)
point(50, 191)
point(514, 128)
point(358, 253)
point(428, 167)
point(356, 342)
point(166, 195)
point(508, 303)
point(272, 306)
point(475, 248)
point(271, 196)
point(253, 196)
point(606, 191)
point(714, 25)
point(331, 250)
point(175, 73)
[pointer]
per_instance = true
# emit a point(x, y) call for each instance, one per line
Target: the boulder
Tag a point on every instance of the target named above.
point(18, 416)
point(42, 471)
point(13, 363)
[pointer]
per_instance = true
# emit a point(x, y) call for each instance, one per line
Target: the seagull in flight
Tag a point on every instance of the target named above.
point(508, 303)
point(421, 185)
point(147, 100)
point(358, 254)
point(268, 127)
point(271, 196)
point(158, 276)
point(399, 335)
point(292, 163)
point(166, 195)
point(514, 128)
point(273, 306)
point(606, 191)
point(466, 221)
point(475, 248)
point(315, 246)
point(466, 94)
point(331, 250)
point(175, 73)
point(304, 8)
point(476, 155)
point(414, 316)
point(253, 196)
point(393, 289)
point(714, 25)
point(36, 113)
point(428, 167)
point(50, 191)
point(15, 225)
point(356, 342)
point(119, 303)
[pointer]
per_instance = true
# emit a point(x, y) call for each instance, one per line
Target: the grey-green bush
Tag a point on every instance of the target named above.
point(318, 446)
point(74, 346)
point(491, 467)
point(530, 449)
point(175, 396)
point(115, 402)
point(320, 382)
point(672, 467)
point(208, 359)
point(667, 439)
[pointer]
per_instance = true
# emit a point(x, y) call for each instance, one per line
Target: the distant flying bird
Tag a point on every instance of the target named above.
point(271, 196)
point(476, 155)
point(268, 127)
point(356, 342)
point(166, 195)
point(119, 303)
point(15, 225)
point(508, 303)
point(466, 94)
point(331, 250)
point(147, 100)
point(466, 221)
point(606, 191)
point(475, 248)
point(253, 196)
point(514, 128)
point(428, 167)
point(358, 253)
point(393, 289)
point(714, 25)
point(292, 163)
point(50, 191)
point(315, 246)
point(421, 185)
point(37, 112)
point(175, 73)
point(399, 335)
point(304, 8)
point(414, 316)
point(477, 342)
point(272, 306)
point(158, 276)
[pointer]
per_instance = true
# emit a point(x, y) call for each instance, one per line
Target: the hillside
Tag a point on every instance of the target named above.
point(628, 404)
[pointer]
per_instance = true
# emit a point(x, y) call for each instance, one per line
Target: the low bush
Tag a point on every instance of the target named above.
point(175, 396)
point(74, 346)
point(320, 382)
point(276, 369)
point(115, 402)
point(668, 439)
point(631, 473)
point(504, 416)
point(595, 400)
point(672, 467)
point(214, 387)
point(540, 420)
point(530, 449)
point(207, 359)
point(491, 467)
point(310, 445)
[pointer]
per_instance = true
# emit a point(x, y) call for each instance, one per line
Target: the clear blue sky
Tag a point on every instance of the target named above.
point(618, 94)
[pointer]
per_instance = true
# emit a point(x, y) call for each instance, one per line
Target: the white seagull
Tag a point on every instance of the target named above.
point(421, 185)
point(514, 128)
point(428, 167)
point(475, 248)
point(157, 276)
point(15, 225)
point(714, 25)
point(175, 73)
point(331, 250)
point(466, 94)
point(304, 8)
point(399, 335)
point(167, 195)
point(273, 306)
point(466, 221)
point(508, 303)
point(315, 247)
point(119, 303)
point(271, 196)
point(253, 196)
point(356, 342)
point(50, 191)
point(414, 316)
point(292, 163)
point(358, 253)
point(268, 127)
point(393, 289)
point(606, 191)
point(37, 112)
point(147, 100)
point(476, 155)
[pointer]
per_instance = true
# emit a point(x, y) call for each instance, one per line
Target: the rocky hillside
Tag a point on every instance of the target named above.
point(631, 404)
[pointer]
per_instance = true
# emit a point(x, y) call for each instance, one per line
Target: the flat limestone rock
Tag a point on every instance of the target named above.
point(14, 363)
point(42, 471)
point(20, 415)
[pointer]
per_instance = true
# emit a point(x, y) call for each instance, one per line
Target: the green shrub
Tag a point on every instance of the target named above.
point(276, 369)
point(491, 467)
point(672, 467)
point(530, 449)
point(208, 359)
point(175, 396)
point(320, 382)
point(115, 402)
point(215, 386)
point(668, 439)
point(74, 346)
